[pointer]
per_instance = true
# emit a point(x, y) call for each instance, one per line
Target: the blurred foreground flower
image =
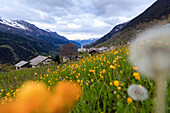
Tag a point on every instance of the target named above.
point(64, 97)
point(151, 54)
point(34, 97)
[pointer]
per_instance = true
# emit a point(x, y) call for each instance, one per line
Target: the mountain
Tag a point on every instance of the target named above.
point(86, 41)
point(157, 13)
point(20, 40)
point(107, 36)
point(14, 48)
point(25, 29)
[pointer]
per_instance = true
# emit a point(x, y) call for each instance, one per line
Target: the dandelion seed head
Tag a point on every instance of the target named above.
point(151, 51)
point(137, 92)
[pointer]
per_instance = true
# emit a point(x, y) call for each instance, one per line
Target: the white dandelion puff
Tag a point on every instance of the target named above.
point(151, 52)
point(137, 92)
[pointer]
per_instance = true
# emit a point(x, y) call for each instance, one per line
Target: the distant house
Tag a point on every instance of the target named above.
point(75, 57)
point(39, 59)
point(21, 65)
point(65, 59)
point(103, 49)
point(93, 52)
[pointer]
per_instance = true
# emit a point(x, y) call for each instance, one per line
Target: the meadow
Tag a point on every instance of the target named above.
point(104, 79)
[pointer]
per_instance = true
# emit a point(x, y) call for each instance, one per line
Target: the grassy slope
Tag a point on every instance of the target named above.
point(99, 95)
point(130, 33)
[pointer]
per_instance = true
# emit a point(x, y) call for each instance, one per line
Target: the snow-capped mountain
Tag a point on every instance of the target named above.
point(12, 23)
point(25, 29)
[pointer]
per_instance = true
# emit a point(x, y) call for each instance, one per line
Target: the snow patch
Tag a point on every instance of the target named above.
point(12, 23)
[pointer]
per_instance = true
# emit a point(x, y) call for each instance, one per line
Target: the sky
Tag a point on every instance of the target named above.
point(74, 19)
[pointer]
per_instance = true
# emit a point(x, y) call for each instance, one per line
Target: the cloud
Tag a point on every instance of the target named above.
point(74, 18)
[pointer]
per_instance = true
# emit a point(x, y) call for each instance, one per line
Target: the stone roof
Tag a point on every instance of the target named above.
point(35, 61)
point(21, 63)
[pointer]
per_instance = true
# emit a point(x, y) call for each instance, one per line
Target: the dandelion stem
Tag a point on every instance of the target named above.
point(137, 102)
point(160, 94)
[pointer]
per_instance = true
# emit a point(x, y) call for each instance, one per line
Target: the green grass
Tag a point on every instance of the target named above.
point(98, 94)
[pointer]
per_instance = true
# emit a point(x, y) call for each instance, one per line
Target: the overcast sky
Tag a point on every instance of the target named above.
point(74, 19)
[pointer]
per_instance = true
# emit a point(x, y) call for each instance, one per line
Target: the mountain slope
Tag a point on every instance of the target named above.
point(23, 28)
point(157, 10)
point(107, 36)
point(14, 48)
point(157, 13)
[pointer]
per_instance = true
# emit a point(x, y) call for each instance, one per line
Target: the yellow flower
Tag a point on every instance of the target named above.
point(116, 83)
point(78, 74)
point(8, 94)
point(135, 74)
point(117, 58)
point(69, 92)
point(116, 52)
point(104, 71)
point(119, 88)
point(135, 68)
point(65, 96)
point(31, 97)
point(113, 67)
point(114, 61)
point(78, 81)
point(111, 83)
point(101, 77)
point(129, 100)
point(137, 77)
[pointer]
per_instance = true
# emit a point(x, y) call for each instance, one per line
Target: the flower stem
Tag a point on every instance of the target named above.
point(160, 94)
point(137, 102)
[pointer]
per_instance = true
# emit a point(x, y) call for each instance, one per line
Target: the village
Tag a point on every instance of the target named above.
point(46, 60)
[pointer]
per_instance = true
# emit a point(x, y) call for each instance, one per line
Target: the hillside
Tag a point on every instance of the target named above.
point(157, 13)
point(14, 48)
point(116, 29)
